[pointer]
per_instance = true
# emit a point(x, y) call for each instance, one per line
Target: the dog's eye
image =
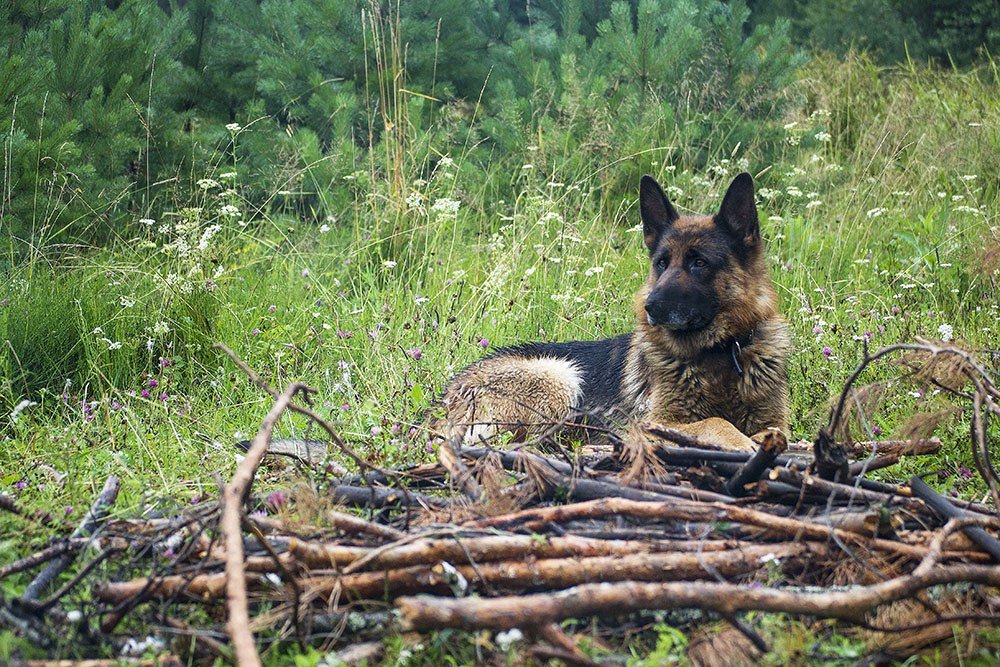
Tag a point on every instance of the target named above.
point(699, 263)
point(662, 262)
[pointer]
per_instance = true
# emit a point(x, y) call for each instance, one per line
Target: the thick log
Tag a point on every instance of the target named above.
point(607, 599)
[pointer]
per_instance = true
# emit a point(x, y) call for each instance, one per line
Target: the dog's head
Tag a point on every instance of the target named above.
point(707, 280)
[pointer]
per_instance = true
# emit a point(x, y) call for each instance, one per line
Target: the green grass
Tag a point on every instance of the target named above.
point(879, 208)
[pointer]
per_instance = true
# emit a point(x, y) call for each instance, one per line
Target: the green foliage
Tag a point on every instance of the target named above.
point(892, 30)
point(113, 104)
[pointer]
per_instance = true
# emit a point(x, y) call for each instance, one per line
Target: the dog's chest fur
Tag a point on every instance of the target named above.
point(670, 390)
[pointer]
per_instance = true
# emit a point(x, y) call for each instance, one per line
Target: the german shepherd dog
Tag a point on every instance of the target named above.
point(707, 354)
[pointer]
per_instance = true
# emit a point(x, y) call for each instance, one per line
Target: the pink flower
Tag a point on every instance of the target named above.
point(827, 351)
point(277, 499)
point(416, 353)
point(272, 308)
point(876, 430)
point(484, 342)
point(152, 383)
point(255, 332)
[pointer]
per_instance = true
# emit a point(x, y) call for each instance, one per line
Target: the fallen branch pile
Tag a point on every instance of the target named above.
point(498, 540)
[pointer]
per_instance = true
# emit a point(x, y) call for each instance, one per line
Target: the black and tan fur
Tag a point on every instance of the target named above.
point(708, 351)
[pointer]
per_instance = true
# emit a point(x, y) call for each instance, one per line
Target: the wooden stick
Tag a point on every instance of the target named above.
point(946, 510)
point(561, 572)
point(371, 496)
point(43, 556)
point(459, 550)
point(913, 447)
point(238, 625)
point(773, 445)
point(817, 485)
point(94, 517)
point(355, 524)
point(449, 457)
point(785, 527)
point(431, 613)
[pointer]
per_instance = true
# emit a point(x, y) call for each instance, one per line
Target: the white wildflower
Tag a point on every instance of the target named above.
point(414, 199)
point(208, 183)
point(946, 332)
point(229, 211)
point(323, 229)
point(149, 222)
point(161, 328)
point(389, 264)
point(508, 638)
point(593, 270)
point(446, 208)
point(234, 127)
point(823, 136)
point(875, 212)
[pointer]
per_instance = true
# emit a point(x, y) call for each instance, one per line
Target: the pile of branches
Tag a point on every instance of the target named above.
point(521, 539)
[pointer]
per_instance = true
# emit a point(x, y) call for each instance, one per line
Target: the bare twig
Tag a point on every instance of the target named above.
point(238, 625)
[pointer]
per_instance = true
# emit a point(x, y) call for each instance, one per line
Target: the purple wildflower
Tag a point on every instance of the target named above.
point(416, 353)
point(152, 383)
point(144, 393)
point(277, 499)
point(827, 351)
point(484, 342)
point(964, 472)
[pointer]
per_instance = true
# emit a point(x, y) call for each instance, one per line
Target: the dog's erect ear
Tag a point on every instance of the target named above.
point(738, 212)
point(656, 211)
